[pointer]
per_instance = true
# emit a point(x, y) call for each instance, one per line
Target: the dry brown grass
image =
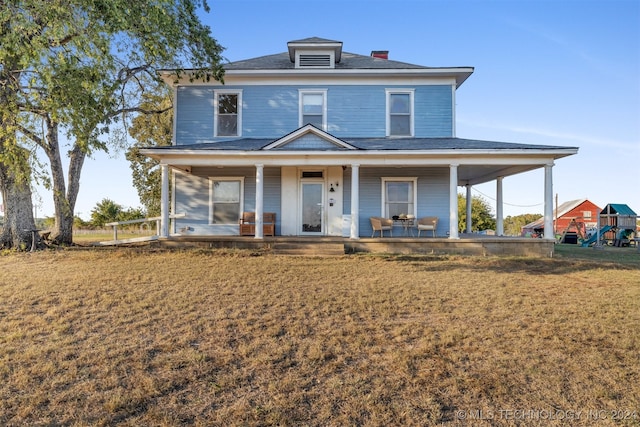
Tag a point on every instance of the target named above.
point(131, 337)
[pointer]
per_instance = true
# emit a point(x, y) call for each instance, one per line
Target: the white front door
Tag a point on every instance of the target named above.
point(311, 208)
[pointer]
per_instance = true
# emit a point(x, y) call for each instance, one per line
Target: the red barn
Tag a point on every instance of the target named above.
point(573, 216)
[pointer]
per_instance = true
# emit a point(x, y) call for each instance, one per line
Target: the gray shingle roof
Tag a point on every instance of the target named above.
point(391, 144)
point(349, 61)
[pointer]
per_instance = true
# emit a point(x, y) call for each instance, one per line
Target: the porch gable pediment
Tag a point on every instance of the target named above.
point(309, 137)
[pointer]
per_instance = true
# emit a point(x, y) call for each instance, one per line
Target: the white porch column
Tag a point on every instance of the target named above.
point(499, 208)
point(548, 202)
point(453, 201)
point(164, 200)
point(259, 201)
point(468, 206)
point(355, 201)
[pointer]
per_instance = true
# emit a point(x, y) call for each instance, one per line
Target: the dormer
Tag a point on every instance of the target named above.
point(314, 53)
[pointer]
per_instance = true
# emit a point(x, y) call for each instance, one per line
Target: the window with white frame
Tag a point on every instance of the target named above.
point(399, 112)
point(225, 196)
point(228, 113)
point(399, 196)
point(313, 108)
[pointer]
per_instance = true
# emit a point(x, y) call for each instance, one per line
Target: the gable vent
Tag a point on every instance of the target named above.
point(318, 60)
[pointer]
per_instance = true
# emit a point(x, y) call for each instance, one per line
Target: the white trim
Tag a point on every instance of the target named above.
point(224, 178)
point(499, 207)
point(174, 125)
point(549, 232)
point(259, 231)
point(217, 92)
point(455, 76)
point(385, 179)
point(453, 201)
point(325, 52)
point(301, 93)
point(400, 91)
point(192, 158)
point(323, 210)
point(453, 111)
point(323, 215)
point(305, 130)
point(355, 202)
point(164, 200)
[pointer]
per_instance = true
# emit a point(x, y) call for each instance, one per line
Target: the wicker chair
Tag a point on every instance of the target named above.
point(428, 223)
point(381, 224)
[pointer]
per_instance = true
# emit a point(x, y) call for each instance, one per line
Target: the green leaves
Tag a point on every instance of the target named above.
point(481, 216)
point(81, 65)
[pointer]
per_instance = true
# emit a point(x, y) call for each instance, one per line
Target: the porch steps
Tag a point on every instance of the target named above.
point(308, 248)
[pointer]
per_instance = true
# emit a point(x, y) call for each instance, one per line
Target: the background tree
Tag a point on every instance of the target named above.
point(104, 212)
point(107, 211)
point(513, 224)
point(79, 67)
point(150, 130)
point(481, 216)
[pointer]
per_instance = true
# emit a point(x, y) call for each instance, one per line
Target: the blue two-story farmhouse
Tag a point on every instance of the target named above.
point(327, 139)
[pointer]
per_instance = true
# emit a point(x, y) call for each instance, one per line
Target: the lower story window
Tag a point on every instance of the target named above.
point(225, 195)
point(399, 196)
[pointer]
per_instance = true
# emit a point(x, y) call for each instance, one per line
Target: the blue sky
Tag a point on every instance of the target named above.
point(546, 72)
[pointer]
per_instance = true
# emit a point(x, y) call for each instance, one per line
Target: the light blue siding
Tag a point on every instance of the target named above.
point(433, 111)
point(194, 115)
point(272, 111)
point(192, 197)
point(433, 195)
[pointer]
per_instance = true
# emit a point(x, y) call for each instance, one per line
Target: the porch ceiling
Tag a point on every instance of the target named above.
point(478, 174)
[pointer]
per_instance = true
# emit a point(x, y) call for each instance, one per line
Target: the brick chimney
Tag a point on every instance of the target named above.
point(381, 54)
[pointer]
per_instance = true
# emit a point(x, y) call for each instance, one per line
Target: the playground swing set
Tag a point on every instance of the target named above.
point(617, 225)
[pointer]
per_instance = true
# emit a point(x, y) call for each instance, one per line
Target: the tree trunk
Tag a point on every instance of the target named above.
point(62, 232)
point(64, 198)
point(15, 177)
point(18, 211)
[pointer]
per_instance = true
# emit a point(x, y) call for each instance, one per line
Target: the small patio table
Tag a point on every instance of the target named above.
point(407, 225)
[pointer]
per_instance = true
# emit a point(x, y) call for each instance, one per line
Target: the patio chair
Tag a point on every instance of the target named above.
point(381, 224)
point(428, 223)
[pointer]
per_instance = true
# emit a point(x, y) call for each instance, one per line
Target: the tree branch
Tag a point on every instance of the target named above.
point(31, 135)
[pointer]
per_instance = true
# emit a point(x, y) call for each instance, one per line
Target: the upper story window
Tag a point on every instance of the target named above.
point(400, 112)
point(228, 113)
point(313, 108)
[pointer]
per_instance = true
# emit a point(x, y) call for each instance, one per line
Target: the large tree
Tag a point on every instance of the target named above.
point(150, 130)
point(481, 216)
point(78, 67)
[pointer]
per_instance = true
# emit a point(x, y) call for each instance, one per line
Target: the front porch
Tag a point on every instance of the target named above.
point(467, 244)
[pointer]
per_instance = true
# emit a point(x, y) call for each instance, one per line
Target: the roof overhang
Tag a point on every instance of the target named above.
point(457, 74)
point(474, 166)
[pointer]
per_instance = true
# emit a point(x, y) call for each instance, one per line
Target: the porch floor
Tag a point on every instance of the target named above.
point(467, 244)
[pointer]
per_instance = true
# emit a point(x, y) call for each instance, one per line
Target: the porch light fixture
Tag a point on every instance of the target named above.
point(332, 190)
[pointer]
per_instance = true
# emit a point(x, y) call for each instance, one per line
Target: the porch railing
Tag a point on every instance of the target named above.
point(157, 219)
